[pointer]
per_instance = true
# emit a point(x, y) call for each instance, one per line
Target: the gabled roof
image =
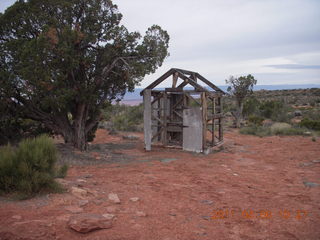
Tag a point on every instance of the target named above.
point(188, 77)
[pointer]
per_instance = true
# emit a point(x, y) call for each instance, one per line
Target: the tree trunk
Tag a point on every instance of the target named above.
point(238, 114)
point(75, 136)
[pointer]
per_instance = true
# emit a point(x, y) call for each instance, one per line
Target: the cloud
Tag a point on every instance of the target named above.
point(277, 40)
point(294, 66)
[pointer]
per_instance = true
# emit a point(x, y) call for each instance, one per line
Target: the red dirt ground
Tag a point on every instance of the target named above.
point(258, 183)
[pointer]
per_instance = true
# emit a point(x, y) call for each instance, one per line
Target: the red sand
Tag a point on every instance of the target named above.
point(183, 198)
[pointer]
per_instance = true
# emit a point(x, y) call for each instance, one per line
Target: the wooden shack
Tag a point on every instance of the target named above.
point(188, 115)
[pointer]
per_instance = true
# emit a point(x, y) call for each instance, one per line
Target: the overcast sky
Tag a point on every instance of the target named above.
point(278, 41)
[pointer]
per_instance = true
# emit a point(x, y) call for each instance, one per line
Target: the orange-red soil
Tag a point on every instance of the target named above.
point(183, 194)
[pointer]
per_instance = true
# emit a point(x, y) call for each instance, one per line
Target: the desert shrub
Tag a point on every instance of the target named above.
point(62, 171)
point(279, 126)
point(123, 117)
point(251, 106)
point(256, 120)
point(275, 110)
point(310, 124)
point(256, 130)
point(289, 131)
point(29, 168)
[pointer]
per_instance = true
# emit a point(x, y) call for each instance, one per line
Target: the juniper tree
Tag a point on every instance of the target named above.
point(240, 88)
point(62, 60)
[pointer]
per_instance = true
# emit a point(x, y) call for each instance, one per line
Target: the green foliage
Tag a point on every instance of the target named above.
point(61, 60)
point(62, 171)
point(310, 124)
point(256, 130)
point(13, 127)
point(30, 168)
point(276, 129)
point(251, 106)
point(256, 120)
point(241, 87)
point(123, 117)
point(289, 131)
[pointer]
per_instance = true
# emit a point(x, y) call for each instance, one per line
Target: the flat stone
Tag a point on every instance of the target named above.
point(17, 217)
point(311, 184)
point(74, 209)
point(109, 216)
point(141, 214)
point(114, 198)
point(87, 222)
point(167, 160)
point(81, 180)
point(207, 202)
point(88, 176)
point(111, 209)
point(130, 137)
point(134, 199)
point(97, 202)
point(83, 203)
point(78, 192)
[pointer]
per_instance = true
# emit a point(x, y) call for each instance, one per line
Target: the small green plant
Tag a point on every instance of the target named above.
point(256, 130)
point(256, 120)
point(62, 171)
point(310, 124)
point(29, 168)
point(313, 139)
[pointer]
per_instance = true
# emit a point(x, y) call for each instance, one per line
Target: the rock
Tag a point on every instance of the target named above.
point(81, 180)
point(97, 202)
point(63, 218)
point(134, 199)
point(83, 203)
point(207, 202)
point(17, 217)
point(111, 209)
point(88, 176)
point(167, 160)
point(78, 192)
point(87, 222)
point(141, 214)
point(206, 218)
point(109, 216)
point(297, 113)
point(307, 133)
point(74, 209)
point(130, 137)
point(114, 198)
point(311, 184)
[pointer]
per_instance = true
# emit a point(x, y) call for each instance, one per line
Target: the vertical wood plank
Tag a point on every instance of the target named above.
point(220, 120)
point(165, 112)
point(147, 119)
point(204, 120)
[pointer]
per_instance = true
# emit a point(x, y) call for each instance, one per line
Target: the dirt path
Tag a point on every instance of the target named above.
point(256, 188)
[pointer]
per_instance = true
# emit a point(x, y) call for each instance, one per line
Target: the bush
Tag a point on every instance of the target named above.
point(256, 130)
point(310, 124)
point(124, 118)
point(256, 120)
point(30, 168)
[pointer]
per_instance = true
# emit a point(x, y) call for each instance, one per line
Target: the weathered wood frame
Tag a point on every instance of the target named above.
point(163, 118)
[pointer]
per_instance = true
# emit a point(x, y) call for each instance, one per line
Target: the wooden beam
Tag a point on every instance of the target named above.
point(147, 119)
point(159, 80)
point(210, 84)
point(204, 120)
point(174, 80)
point(164, 119)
